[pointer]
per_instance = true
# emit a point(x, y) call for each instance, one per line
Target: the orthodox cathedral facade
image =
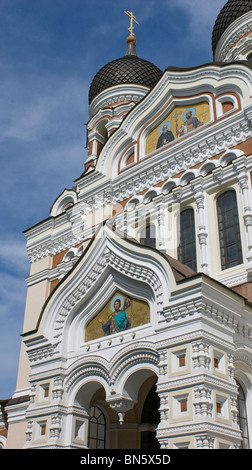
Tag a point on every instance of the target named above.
point(138, 323)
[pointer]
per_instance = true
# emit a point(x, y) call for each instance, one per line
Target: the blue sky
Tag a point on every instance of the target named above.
point(49, 52)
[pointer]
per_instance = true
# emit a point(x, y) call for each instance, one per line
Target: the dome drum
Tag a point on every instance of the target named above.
point(116, 95)
point(231, 11)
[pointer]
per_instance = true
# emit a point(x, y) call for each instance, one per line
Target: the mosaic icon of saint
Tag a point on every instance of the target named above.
point(117, 319)
point(166, 136)
point(190, 120)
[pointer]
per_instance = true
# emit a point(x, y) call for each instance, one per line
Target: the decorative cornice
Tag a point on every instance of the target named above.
point(195, 381)
point(111, 194)
point(211, 309)
point(198, 428)
point(111, 113)
point(237, 51)
point(41, 353)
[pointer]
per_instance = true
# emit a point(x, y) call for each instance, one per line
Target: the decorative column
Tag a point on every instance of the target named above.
point(234, 411)
point(58, 389)
point(199, 193)
point(203, 402)
point(240, 167)
point(28, 432)
point(201, 355)
point(204, 441)
point(129, 220)
point(162, 428)
point(55, 427)
point(92, 151)
point(162, 233)
point(125, 223)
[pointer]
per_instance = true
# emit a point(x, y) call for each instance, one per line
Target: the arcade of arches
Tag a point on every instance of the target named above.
point(138, 429)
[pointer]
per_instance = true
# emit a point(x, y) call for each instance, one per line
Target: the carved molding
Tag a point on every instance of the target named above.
point(110, 371)
point(197, 428)
point(216, 312)
point(107, 258)
point(143, 355)
point(87, 370)
point(193, 381)
point(42, 353)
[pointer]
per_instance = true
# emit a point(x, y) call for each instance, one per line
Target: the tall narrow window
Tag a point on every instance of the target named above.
point(97, 429)
point(148, 236)
point(229, 230)
point(242, 416)
point(187, 246)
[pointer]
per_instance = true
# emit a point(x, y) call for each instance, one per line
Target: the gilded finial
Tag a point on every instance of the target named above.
point(132, 20)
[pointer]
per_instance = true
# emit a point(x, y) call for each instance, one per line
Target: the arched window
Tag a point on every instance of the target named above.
point(187, 245)
point(148, 236)
point(97, 429)
point(242, 417)
point(229, 230)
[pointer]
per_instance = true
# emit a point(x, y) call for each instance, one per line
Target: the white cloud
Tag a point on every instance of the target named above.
point(12, 295)
point(38, 106)
point(42, 139)
point(13, 255)
point(202, 13)
point(201, 16)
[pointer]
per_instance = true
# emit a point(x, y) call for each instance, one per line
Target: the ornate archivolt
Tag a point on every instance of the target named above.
point(117, 377)
point(92, 366)
point(111, 262)
point(125, 359)
point(115, 371)
point(243, 355)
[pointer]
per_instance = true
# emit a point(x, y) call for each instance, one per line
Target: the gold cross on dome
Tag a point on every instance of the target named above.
point(132, 18)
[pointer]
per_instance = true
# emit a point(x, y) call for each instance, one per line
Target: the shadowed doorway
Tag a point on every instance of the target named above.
point(149, 420)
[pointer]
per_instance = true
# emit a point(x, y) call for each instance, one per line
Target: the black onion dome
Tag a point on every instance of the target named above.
point(232, 10)
point(129, 69)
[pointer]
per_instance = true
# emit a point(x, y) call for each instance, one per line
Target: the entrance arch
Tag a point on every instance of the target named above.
point(92, 417)
point(126, 413)
point(138, 429)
